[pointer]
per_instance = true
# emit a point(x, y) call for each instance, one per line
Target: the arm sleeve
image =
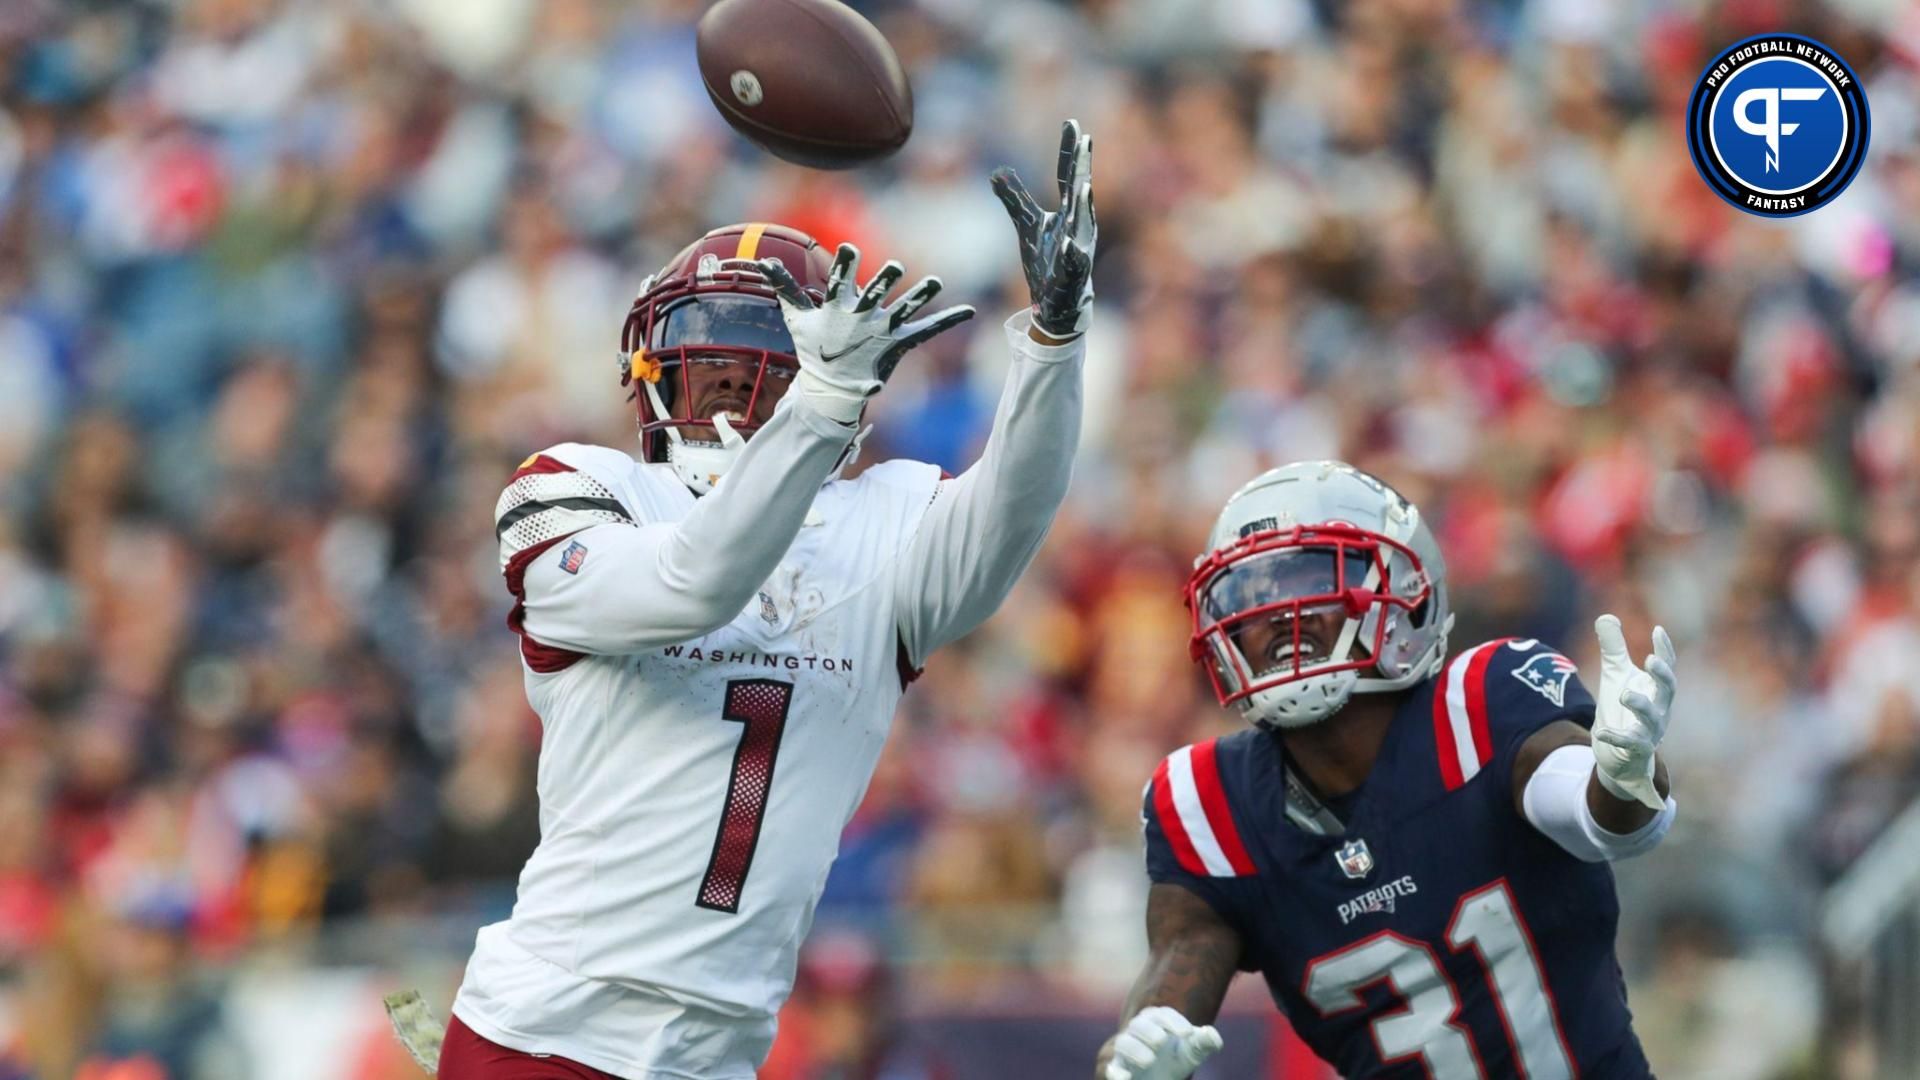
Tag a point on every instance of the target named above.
point(985, 525)
point(1555, 802)
point(618, 586)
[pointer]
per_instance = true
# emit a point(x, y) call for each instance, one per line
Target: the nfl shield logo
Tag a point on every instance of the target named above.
point(1354, 859)
point(571, 558)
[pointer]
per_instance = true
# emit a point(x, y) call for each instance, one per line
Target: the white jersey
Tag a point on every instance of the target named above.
point(716, 677)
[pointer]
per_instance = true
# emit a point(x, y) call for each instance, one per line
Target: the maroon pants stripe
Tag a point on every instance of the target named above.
point(466, 1056)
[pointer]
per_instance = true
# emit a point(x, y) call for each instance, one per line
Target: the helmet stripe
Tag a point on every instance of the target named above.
point(750, 241)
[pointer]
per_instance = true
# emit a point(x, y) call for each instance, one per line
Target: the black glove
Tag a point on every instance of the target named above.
point(1056, 250)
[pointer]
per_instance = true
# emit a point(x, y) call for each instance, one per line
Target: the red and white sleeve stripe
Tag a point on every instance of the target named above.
point(1191, 804)
point(1460, 731)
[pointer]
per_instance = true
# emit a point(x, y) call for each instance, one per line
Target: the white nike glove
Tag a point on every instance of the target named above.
point(1630, 713)
point(848, 343)
point(1160, 1044)
point(1056, 250)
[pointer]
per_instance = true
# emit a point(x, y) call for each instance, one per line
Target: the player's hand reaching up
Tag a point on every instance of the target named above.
point(1160, 1044)
point(849, 343)
point(1630, 713)
point(1056, 249)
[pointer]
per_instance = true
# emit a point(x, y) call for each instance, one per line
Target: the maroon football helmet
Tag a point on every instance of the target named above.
point(706, 335)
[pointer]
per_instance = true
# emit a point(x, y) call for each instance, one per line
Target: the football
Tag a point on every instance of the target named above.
point(809, 81)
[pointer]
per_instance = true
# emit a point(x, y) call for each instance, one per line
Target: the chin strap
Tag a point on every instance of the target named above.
point(700, 465)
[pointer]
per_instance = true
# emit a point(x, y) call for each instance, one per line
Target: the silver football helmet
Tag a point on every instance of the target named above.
point(1320, 582)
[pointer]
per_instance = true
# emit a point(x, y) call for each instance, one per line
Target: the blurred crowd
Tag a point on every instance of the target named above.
point(287, 287)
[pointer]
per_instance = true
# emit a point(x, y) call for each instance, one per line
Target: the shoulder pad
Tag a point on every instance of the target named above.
point(556, 492)
point(602, 461)
point(1187, 802)
point(1494, 691)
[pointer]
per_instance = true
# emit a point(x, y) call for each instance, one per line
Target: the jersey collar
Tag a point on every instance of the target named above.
point(1379, 794)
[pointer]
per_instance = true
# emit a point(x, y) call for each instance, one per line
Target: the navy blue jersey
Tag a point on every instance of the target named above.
point(1441, 934)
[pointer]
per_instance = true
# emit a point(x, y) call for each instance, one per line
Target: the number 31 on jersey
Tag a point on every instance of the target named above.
point(1428, 1027)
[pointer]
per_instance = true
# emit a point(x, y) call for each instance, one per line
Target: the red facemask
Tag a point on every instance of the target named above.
point(1282, 605)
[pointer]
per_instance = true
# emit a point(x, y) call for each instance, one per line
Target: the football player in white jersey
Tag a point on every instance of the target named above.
point(715, 635)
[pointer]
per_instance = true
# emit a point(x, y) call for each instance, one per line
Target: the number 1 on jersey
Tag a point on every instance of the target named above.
point(760, 704)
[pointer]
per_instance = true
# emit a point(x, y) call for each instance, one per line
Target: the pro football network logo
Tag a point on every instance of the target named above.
point(1778, 125)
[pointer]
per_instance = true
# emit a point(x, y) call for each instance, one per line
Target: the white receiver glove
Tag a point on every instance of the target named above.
point(848, 343)
point(1630, 713)
point(1160, 1044)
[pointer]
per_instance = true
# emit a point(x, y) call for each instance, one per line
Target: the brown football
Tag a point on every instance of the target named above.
point(810, 81)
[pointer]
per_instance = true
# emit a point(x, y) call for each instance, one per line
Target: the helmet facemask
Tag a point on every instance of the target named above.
point(710, 359)
point(1289, 622)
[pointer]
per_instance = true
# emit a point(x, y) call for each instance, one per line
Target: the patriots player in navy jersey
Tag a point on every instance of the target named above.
point(1411, 846)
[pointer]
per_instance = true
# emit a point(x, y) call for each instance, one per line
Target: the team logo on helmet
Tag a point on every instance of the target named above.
point(1547, 674)
point(1778, 125)
point(1354, 859)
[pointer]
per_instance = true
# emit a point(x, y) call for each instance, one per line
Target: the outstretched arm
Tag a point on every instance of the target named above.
point(1193, 955)
point(1605, 797)
point(985, 525)
point(633, 586)
point(639, 585)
